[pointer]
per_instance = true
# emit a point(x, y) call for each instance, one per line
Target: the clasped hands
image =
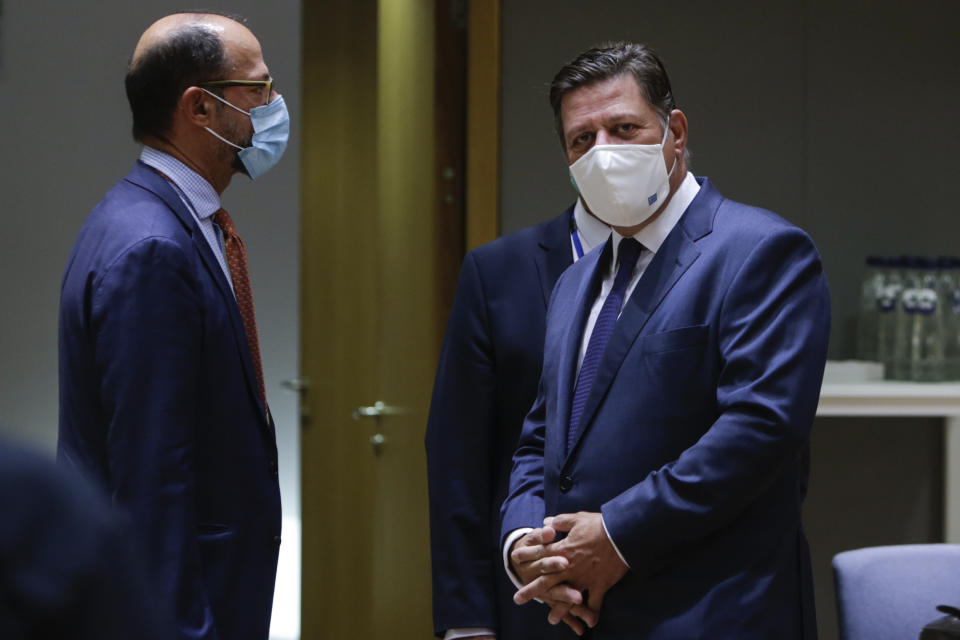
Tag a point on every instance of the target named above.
point(559, 572)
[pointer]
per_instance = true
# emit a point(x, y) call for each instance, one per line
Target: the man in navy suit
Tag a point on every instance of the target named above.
point(657, 485)
point(161, 389)
point(485, 383)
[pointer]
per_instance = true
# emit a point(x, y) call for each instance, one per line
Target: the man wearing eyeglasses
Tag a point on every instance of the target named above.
point(162, 399)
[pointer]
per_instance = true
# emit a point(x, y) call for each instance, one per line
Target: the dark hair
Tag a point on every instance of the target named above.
point(155, 81)
point(610, 60)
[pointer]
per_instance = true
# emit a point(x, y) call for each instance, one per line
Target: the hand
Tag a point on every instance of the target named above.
point(593, 562)
point(531, 560)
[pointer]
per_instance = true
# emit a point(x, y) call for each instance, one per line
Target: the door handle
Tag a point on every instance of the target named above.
point(377, 410)
point(295, 385)
point(299, 387)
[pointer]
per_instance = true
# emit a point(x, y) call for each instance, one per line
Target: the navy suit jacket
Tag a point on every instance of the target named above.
point(486, 381)
point(694, 439)
point(159, 404)
point(68, 569)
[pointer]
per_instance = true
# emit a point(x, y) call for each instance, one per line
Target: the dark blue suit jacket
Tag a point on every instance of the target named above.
point(694, 439)
point(68, 568)
point(485, 384)
point(159, 404)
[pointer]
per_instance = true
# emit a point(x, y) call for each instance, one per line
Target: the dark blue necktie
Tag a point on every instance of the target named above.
point(628, 253)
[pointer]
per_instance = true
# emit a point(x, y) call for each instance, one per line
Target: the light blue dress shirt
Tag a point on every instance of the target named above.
point(199, 196)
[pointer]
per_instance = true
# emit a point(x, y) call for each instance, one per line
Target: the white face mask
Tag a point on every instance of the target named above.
point(623, 184)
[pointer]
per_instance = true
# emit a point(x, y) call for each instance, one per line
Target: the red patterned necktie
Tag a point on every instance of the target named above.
point(237, 261)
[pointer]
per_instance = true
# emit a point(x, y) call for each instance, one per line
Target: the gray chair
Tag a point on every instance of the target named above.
point(890, 593)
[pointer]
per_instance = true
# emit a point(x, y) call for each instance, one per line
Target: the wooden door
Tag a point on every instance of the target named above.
point(380, 240)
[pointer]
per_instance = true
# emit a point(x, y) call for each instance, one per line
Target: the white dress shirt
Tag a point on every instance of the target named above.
point(591, 232)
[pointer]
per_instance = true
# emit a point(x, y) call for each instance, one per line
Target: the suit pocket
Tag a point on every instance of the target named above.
point(675, 339)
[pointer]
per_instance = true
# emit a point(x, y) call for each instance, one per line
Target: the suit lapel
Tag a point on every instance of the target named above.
point(673, 259)
point(147, 178)
point(556, 253)
point(594, 263)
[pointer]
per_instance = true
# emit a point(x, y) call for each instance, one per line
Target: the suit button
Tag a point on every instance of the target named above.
point(566, 483)
point(276, 540)
point(273, 469)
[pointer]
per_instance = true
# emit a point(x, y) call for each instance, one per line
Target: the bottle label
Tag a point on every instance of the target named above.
point(922, 301)
point(887, 298)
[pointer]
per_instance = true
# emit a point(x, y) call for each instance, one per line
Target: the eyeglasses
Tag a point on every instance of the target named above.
point(267, 84)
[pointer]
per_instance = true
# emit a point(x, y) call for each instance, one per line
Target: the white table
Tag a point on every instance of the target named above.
point(887, 399)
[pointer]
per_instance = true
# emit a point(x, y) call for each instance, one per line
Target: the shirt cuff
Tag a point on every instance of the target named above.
point(467, 632)
point(615, 548)
point(515, 535)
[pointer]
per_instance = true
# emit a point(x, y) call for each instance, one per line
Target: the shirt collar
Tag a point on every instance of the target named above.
point(199, 193)
point(653, 235)
point(592, 231)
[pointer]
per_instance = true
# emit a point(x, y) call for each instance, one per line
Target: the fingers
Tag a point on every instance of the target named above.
point(563, 593)
point(538, 588)
point(551, 564)
point(574, 623)
point(543, 535)
point(523, 554)
point(577, 617)
point(565, 600)
point(527, 549)
point(585, 613)
point(529, 553)
point(566, 605)
point(558, 612)
point(563, 522)
point(595, 598)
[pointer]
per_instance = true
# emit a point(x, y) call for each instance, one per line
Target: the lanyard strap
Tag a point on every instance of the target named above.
point(575, 237)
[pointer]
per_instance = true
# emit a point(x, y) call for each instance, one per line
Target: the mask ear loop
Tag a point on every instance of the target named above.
point(217, 135)
point(666, 130)
point(246, 113)
point(222, 139)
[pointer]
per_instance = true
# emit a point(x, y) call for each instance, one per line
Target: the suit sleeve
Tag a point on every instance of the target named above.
point(147, 322)
point(460, 448)
point(773, 328)
point(524, 505)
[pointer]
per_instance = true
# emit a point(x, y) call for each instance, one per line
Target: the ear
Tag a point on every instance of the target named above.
point(197, 106)
point(678, 127)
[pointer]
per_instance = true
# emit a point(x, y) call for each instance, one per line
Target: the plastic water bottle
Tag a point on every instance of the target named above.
point(888, 315)
point(925, 320)
point(949, 292)
point(868, 319)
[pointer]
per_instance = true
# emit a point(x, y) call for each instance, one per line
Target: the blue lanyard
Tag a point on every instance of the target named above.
point(575, 237)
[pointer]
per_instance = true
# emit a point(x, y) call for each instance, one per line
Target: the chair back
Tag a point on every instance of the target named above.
point(890, 593)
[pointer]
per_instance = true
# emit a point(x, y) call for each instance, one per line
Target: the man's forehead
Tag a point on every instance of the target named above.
point(619, 94)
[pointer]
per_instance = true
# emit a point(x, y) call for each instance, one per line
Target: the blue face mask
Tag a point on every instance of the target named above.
point(271, 130)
